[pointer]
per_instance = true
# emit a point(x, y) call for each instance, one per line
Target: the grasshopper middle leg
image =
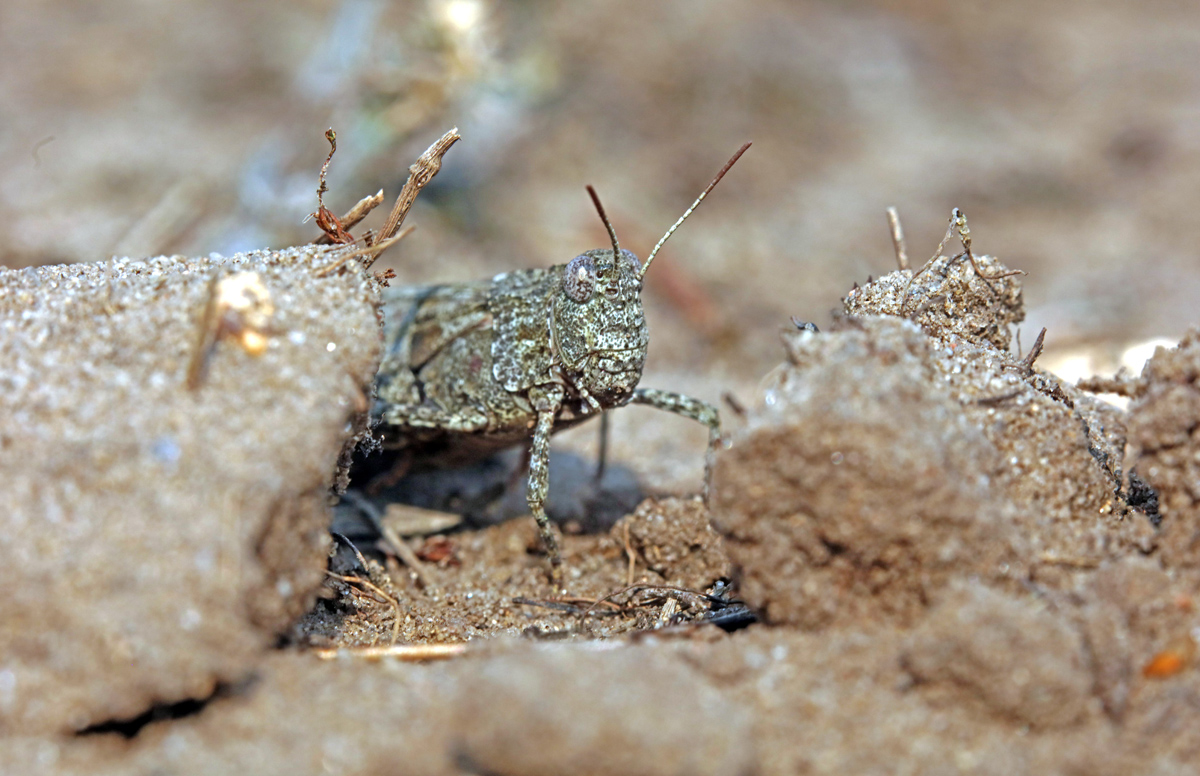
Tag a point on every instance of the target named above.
point(699, 411)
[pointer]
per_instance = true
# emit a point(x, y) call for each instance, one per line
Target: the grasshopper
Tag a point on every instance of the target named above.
point(473, 368)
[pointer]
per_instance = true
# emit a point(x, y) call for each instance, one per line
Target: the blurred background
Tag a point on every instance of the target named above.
point(1069, 133)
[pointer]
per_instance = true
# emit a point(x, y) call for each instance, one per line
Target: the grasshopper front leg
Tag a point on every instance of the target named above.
point(699, 411)
point(547, 404)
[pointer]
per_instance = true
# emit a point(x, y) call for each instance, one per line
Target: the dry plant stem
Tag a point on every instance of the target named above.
point(362, 561)
point(958, 223)
point(987, 278)
point(398, 546)
point(893, 217)
point(937, 253)
point(371, 250)
point(1026, 365)
point(987, 400)
point(354, 215)
point(404, 652)
point(640, 587)
point(419, 175)
point(372, 587)
point(569, 605)
point(632, 557)
point(1072, 562)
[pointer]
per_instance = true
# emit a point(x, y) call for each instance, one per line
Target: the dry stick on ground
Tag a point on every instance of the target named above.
point(404, 652)
point(893, 217)
point(569, 605)
point(325, 218)
point(354, 215)
point(397, 545)
point(373, 250)
point(362, 560)
point(986, 400)
point(1025, 366)
point(958, 223)
point(632, 557)
point(631, 589)
point(419, 175)
point(377, 590)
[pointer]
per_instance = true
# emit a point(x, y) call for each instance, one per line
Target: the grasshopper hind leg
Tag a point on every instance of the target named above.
point(697, 410)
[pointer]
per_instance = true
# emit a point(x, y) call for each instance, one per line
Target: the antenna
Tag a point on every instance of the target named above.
point(688, 212)
point(612, 233)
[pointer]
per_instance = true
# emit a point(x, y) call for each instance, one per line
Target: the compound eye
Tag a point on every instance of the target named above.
point(579, 278)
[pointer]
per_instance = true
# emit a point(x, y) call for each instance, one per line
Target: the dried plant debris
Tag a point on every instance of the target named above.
point(975, 297)
point(619, 584)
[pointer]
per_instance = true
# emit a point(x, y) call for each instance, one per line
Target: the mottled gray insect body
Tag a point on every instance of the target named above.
point(473, 368)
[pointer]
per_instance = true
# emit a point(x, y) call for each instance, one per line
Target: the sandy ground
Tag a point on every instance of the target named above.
point(953, 558)
point(959, 562)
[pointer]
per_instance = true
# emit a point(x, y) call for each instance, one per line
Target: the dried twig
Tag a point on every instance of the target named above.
point(326, 220)
point(362, 561)
point(419, 175)
point(986, 400)
point(408, 520)
point(958, 224)
point(371, 250)
point(897, 231)
point(354, 215)
point(570, 605)
point(377, 590)
point(404, 652)
point(1026, 364)
point(394, 543)
point(632, 556)
point(631, 589)
point(1067, 560)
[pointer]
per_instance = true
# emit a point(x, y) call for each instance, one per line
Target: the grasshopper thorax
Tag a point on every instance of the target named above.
point(597, 326)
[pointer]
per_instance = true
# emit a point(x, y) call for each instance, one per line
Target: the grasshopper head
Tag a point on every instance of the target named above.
point(598, 327)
